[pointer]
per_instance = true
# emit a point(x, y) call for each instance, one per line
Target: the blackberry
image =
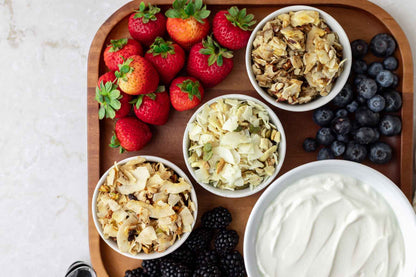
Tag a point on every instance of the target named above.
point(207, 271)
point(183, 255)
point(226, 241)
point(232, 265)
point(170, 268)
point(151, 267)
point(207, 257)
point(217, 218)
point(138, 272)
point(199, 239)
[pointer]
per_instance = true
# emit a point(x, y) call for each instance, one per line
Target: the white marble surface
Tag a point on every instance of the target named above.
point(43, 142)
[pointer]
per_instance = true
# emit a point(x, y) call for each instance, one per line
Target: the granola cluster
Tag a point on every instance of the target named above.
point(296, 57)
point(144, 206)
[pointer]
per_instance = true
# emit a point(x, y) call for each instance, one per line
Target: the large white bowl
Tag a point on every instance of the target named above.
point(247, 191)
point(339, 83)
point(384, 186)
point(141, 255)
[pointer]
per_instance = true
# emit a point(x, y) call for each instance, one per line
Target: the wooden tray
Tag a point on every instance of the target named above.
point(360, 19)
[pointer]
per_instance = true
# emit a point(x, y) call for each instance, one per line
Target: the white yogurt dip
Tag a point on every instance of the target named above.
point(329, 225)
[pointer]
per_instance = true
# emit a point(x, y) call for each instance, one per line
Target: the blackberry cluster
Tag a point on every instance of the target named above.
point(196, 258)
point(364, 110)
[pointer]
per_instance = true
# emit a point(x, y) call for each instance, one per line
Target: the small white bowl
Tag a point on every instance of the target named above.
point(340, 81)
point(247, 191)
point(141, 255)
point(398, 202)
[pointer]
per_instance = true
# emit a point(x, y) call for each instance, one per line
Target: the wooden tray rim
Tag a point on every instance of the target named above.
point(406, 168)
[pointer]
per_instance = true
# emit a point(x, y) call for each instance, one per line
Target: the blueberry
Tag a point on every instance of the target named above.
point(390, 63)
point(390, 125)
point(359, 66)
point(365, 135)
point(337, 148)
point(355, 152)
point(341, 125)
point(324, 136)
point(376, 103)
point(361, 100)
point(374, 69)
point(358, 78)
point(325, 154)
point(353, 106)
point(323, 116)
point(343, 138)
point(380, 153)
point(395, 81)
point(310, 144)
point(385, 78)
point(341, 112)
point(382, 45)
point(393, 100)
point(359, 48)
point(367, 88)
point(344, 97)
point(365, 117)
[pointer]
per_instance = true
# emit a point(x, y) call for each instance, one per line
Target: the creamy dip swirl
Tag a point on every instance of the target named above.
point(329, 225)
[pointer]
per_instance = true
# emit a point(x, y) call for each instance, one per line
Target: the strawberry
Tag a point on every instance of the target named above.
point(113, 102)
point(209, 62)
point(187, 22)
point(137, 75)
point(145, 25)
point(119, 50)
point(185, 93)
point(168, 58)
point(153, 108)
point(130, 134)
point(232, 28)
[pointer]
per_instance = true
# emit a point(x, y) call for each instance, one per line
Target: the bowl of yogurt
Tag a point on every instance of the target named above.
point(331, 218)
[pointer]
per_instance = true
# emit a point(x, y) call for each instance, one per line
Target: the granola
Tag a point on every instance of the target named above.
point(144, 206)
point(296, 57)
point(233, 145)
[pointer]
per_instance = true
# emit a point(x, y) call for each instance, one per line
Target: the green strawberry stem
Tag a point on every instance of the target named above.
point(117, 44)
point(215, 51)
point(124, 69)
point(139, 100)
point(240, 18)
point(148, 14)
point(161, 47)
point(187, 8)
point(108, 96)
point(191, 88)
point(115, 143)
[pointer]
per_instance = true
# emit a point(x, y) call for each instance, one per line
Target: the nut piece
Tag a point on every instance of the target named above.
point(296, 57)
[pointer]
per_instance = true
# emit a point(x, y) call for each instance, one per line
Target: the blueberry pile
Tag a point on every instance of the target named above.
point(352, 124)
point(208, 252)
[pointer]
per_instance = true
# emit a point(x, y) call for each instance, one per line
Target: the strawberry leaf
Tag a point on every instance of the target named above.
point(191, 88)
point(117, 44)
point(240, 18)
point(101, 112)
point(147, 15)
point(124, 69)
point(151, 96)
point(115, 143)
point(188, 8)
point(108, 96)
point(215, 51)
point(161, 47)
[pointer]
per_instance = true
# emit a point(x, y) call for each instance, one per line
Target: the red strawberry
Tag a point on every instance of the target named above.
point(187, 22)
point(185, 93)
point(232, 28)
point(119, 50)
point(137, 76)
point(146, 25)
point(168, 58)
point(113, 102)
point(130, 134)
point(209, 62)
point(153, 108)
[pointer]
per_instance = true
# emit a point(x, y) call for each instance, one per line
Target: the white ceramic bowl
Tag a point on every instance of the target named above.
point(247, 191)
point(385, 187)
point(340, 81)
point(141, 255)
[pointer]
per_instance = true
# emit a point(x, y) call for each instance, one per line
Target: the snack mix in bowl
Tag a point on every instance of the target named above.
point(296, 57)
point(233, 145)
point(144, 206)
